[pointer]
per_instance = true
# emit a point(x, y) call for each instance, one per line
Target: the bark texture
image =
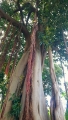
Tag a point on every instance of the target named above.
point(33, 104)
point(38, 103)
point(38, 100)
point(56, 108)
point(15, 80)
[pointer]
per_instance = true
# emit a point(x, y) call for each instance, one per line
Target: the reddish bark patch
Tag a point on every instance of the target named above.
point(28, 115)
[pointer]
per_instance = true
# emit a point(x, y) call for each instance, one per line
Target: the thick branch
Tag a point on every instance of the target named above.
point(14, 23)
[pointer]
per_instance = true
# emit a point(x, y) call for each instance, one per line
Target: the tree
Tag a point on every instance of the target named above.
point(56, 105)
point(40, 27)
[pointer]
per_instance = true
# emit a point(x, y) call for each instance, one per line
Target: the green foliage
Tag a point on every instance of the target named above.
point(3, 88)
point(53, 17)
point(7, 7)
point(58, 71)
point(48, 111)
point(47, 82)
point(3, 85)
point(1, 76)
point(66, 114)
point(16, 106)
point(63, 94)
point(50, 14)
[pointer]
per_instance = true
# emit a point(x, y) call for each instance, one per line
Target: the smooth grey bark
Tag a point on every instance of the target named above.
point(14, 81)
point(39, 108)
point(56, 108)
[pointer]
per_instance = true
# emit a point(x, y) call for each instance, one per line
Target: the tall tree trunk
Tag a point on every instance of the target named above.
point(6, 34)
point(15, 80)
point(12, 53)
point(39, 110)
point(3, 56)
point(66, 86)
point(38, 100)
point(56, 108)
point(33, 105)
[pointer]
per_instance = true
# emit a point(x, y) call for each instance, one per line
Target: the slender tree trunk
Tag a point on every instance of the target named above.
point(65, 41)
point(66, 86)
point(56, 108)
point(12, 53)
point(3, 56)
point(6, 34)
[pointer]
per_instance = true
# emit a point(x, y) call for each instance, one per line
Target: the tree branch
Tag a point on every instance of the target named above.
point(15, 23)
point(28, 17)
point(21, 14)
point(26, 5)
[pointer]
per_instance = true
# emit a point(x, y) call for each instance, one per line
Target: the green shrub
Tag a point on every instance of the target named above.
point(66, 114)
point(16, 106)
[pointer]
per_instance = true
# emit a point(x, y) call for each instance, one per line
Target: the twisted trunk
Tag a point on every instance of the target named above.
point(38, 103)
point(33, 105)
point(38, 110)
